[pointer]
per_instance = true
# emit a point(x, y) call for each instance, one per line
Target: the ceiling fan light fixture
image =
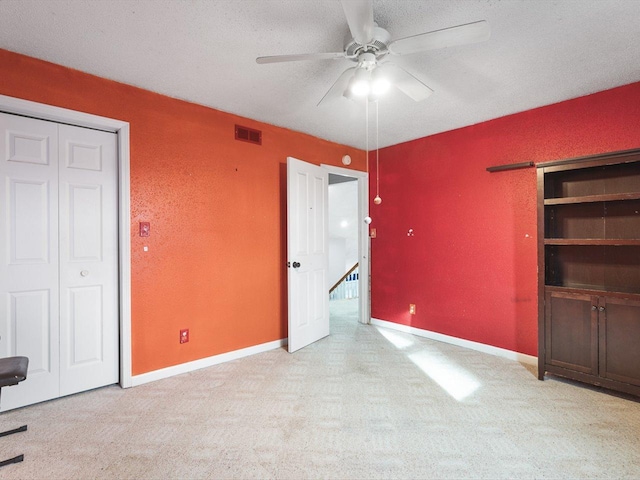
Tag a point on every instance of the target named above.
point(360, 84)
point(360, 88)
point(380, 86)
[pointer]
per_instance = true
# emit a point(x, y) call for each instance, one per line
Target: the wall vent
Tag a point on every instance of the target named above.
point(248, 135)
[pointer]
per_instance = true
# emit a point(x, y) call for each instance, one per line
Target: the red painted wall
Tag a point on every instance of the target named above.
point(216, 259)
point(471, 266)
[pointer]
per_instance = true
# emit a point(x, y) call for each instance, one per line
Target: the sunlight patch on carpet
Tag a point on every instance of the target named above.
point(398, 340)
point(455, 380)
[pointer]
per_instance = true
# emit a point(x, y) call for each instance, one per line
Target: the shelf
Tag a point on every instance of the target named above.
point(593, 267)
point(614, 242)
point(592, 198)
point(593, 290)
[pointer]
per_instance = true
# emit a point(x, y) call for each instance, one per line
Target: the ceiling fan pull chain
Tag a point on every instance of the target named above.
point(366, 125)
point(377, 200)
point(377, 154)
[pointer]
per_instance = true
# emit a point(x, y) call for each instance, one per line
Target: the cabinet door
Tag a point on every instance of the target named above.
point(571, 329)
point(619, 339)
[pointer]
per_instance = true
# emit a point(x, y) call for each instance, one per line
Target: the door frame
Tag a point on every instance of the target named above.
point(121, 129)
point(364, 249)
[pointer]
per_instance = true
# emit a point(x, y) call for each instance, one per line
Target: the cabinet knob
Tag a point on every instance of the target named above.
point(601, 309)
point(594, 308)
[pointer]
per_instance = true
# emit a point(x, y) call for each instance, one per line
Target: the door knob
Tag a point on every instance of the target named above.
point(84, 273)
point(296, 264)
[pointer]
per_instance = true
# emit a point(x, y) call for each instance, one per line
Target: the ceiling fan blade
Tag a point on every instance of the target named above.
point(447, 37)
point(405, 82)
point(359, 15)
point(299, 57)
point(338, 88)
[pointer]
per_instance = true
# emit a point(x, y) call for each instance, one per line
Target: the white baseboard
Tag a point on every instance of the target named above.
point(205, 362)
point(480, 347)
point(265, 347)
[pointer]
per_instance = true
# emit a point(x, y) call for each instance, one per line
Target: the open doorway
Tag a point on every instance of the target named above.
point(308, 250)
point(344, 247)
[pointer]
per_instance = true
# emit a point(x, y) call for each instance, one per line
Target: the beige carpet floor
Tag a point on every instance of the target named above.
point(364, 403)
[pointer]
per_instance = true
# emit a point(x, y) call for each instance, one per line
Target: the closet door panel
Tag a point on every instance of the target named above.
point(29, 321)
point(88, 259)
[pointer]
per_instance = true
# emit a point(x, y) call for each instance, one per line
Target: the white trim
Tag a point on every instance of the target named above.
point(206, 362)
point(124, 228)
point(363, 238)
point(58, 114)
point(121, 129)
point(480, 347)
point(347, 172)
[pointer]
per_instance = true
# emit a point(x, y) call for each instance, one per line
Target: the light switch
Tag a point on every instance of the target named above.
point(372, 233)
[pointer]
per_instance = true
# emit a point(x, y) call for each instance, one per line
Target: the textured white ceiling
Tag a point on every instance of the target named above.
point(540, 52)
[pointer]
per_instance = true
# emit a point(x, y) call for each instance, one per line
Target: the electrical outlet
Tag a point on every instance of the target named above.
point(184, 335)
point(412, 309)
point(373, 233)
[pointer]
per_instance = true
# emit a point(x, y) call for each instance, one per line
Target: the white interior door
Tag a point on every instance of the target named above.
point(58, 249)
point(307, 244)
point(29, 289)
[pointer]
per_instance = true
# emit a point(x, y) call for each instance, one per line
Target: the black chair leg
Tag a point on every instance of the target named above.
point(13, 370)
point(15, 430)
point(17, 459)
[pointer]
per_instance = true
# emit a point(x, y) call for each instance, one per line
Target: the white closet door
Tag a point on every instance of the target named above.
point(29, 255)
point(59, 257)
point(88, 259)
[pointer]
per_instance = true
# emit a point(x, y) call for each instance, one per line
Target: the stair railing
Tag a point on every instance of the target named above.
point(347, 286)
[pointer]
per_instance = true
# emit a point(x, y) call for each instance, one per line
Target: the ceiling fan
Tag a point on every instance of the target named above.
point(369, 44)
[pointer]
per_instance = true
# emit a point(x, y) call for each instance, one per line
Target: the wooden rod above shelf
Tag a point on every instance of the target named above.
point(513, 166)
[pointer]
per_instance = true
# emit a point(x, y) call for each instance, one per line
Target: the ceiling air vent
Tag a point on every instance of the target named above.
point(248, 135)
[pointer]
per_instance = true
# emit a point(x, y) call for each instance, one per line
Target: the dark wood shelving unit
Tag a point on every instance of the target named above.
point(589, 270)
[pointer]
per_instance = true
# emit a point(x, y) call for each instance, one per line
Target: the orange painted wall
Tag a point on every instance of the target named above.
point(217, 207)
